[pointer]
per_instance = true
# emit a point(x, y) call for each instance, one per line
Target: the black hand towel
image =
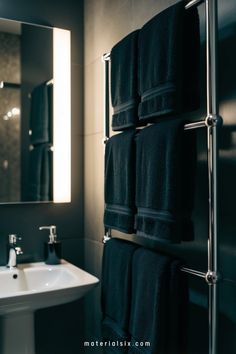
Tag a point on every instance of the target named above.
point(124, 82)
point(159, 304)
point(177, 311)
point(120, 182)
point(39, 173)
point(165, 170)
point(39, 115)
point(169, 63)
point(116, 292)
point(149, 319)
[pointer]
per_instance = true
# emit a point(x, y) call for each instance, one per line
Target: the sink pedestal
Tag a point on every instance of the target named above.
point(18, 333)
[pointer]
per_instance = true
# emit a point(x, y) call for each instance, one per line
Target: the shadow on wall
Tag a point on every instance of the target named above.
point(198, 332)
point(227, 59)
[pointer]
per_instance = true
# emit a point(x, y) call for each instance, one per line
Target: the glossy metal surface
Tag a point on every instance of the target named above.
point(106, 61)
point(212, 143)
point(193, 272)
point(13, 251)
point(195, 125)
point(193, 3)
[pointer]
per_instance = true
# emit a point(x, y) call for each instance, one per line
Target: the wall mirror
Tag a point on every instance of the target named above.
point(35, 113)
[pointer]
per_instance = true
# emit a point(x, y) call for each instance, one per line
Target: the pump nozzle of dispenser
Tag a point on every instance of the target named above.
point(52, 234)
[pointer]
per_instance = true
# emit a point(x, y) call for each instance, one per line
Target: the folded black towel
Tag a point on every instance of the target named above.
point(116, 292)
point(124, 82)
point(150, 300)
point(165, 170)
point(169, 62)
point(40, 114)
point(120, 182)
point(39, 173)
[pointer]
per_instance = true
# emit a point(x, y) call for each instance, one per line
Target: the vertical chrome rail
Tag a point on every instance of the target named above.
point(106, 127)
point(213, 120)
point(106, 61)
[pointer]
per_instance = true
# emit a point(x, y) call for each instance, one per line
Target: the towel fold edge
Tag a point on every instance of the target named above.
point(160, 104)
point(125, 119)
point(119, 220)
point(163, 230)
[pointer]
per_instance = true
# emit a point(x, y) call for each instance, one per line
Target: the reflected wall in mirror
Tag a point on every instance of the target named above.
point(35, 113)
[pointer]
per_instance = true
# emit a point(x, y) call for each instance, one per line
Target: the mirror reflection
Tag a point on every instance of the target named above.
point(26, 115)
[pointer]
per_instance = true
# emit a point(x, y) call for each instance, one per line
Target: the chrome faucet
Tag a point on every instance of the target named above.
point(14, 250)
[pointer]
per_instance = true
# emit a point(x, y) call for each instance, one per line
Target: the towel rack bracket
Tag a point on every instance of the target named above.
point(212, 277)
point(105, 239)
point(107, 235)
point(106, 57)
point(105, 140)
point(213, 120)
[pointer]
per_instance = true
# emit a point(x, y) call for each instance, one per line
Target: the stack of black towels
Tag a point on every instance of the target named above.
point(149, 172)
point(149, 183)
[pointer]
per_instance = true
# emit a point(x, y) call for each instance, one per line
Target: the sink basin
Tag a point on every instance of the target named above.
point(33, 286)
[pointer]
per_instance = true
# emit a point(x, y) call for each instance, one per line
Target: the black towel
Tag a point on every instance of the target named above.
point(120, 182)
point(124, 82)
point(116, 292)
point(177, 311)
point(39, 173)
point(40, 114)
point(159, 304)
point(169, 46)
point(149, 318)
point(165, 171)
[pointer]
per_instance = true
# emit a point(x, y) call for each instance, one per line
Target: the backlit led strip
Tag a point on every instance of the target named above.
point(61, 116)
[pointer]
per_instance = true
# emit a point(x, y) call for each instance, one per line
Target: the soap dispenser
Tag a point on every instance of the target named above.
point(52, 248)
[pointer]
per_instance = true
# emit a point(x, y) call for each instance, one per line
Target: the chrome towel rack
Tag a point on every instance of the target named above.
point(212, 123)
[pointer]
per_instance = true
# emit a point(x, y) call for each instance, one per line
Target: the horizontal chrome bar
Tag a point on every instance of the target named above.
point(194, 272)
point(195, 125)
point(108, 236)
point(50, 82)
point(188, 126)
point(193, 3)
point(31, 148)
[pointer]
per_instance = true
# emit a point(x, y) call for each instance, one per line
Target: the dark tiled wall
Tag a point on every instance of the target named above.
point(105, 24)
point(63, 323)
point(9, 127)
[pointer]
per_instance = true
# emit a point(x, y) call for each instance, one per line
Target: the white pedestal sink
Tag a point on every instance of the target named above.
point(33, 286)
